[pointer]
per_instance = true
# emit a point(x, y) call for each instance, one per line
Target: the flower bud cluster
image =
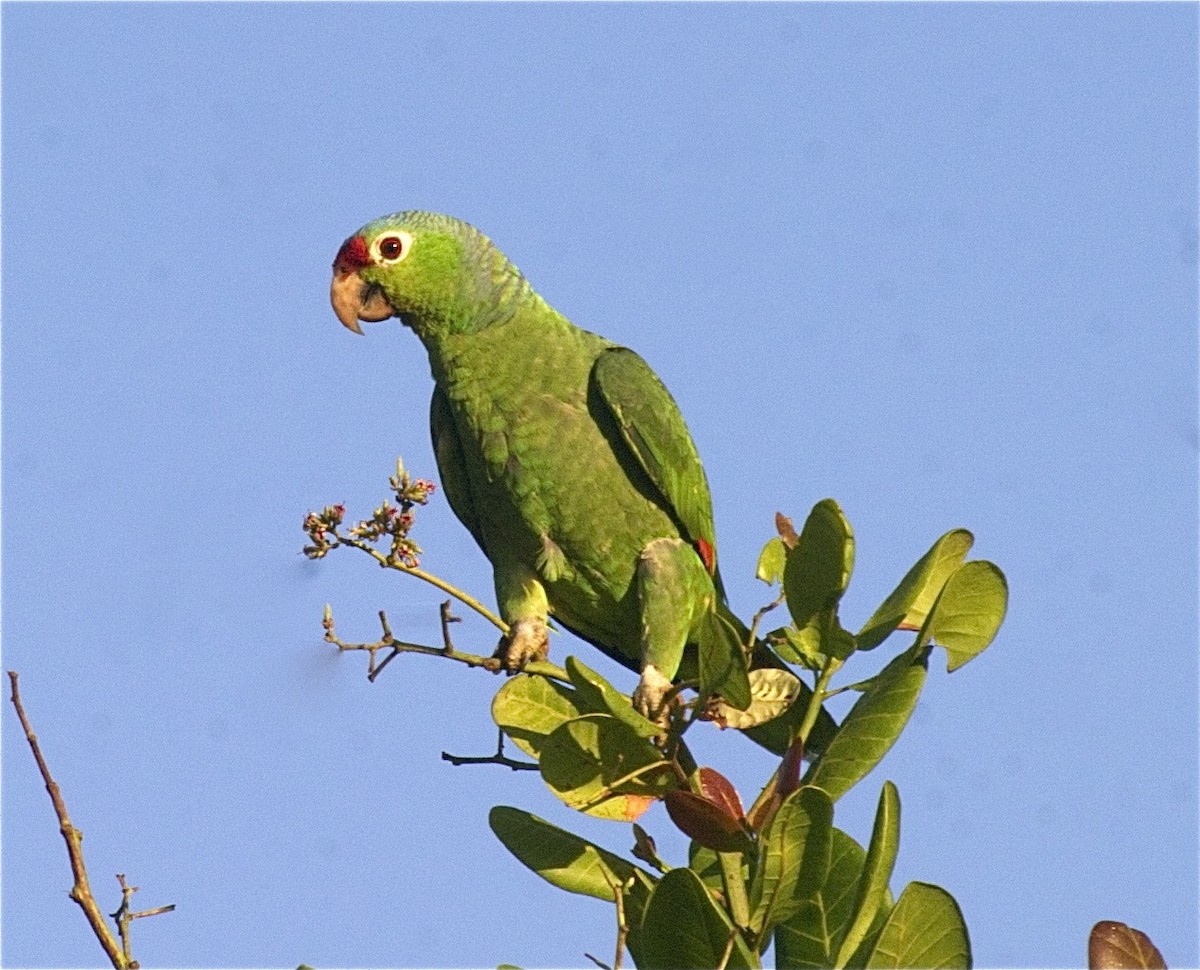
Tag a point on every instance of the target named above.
point(387, 521)
point(322, 530)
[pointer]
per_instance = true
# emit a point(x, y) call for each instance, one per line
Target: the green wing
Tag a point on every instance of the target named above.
point(451, 465)
point(649, 422)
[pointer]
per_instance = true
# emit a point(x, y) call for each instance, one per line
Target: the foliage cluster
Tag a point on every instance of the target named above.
point(779, 872)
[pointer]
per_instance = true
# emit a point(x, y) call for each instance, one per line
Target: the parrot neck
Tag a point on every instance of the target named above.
point(473, 350)
point(489, 294)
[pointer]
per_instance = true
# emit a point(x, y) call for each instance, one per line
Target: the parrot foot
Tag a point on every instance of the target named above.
point(526, 642)
point(650, 693)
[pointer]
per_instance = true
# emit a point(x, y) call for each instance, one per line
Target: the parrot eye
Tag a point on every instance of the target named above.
point(393, 247)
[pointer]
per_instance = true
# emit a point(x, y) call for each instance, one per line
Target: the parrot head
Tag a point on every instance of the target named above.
point(430, 270)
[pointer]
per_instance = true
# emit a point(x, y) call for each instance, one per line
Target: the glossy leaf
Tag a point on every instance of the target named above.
point(1116, 946)
point(596, 763)
point(771, 561)
point(723, 662)
point(720, 791)
point(877, 873)
point(802, 647)
point(796, 857)
point(909, 603)
point(809, 939)
point(818, 568)
point(924, 931)
point(705, 822)
point(967, 614)
point(528, 709)
point(684, 929)
point(597, 695)
point(772, 692)
point(562, 858)
point(871, 728)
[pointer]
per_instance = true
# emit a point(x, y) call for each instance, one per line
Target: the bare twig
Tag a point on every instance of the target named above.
point(499, 758)
point(596, 960)
point(124, 915)
point(447, 619)
point(81, 891)
point(622, 927)
point(389, 562)
point(758, 619)
point(542, 668)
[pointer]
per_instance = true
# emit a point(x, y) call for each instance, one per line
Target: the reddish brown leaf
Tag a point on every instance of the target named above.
point(720, 791)
point(785, 781)
point(786, 530)
point(705, 822)
point(789, 768)
point(1115, 946)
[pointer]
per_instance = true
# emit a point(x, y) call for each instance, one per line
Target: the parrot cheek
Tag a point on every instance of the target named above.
point(355, 299)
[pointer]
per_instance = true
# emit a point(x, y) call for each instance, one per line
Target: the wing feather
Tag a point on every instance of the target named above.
point(654, 431)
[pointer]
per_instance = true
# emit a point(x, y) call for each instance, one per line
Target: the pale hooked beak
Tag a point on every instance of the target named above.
point(355, 299)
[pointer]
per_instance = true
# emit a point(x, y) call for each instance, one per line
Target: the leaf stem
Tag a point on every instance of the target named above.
point(735, 887)
point(819, 696)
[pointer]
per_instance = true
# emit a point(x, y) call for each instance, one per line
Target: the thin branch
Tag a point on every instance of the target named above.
point(81, 891)
point(758, 619)
point(390, 562)
point(542, 668)
point(447, 619)
point(499, 758)
point(622, 926)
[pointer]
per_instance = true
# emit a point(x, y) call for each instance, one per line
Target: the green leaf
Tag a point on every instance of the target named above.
point(599, 765)
point(818, 568)
point(597, 695)
point(801, 647)
point(871, 727)
point(723, 662)
point(562, 858)
point(810, 938)
point(529, 708)
point(772, 692)
point(877, 872)
point(684, 929)
point(705, 863)
point(925, 931)
point(796, 857)
point(910, 602)
point(770, 561)
point(967, 614)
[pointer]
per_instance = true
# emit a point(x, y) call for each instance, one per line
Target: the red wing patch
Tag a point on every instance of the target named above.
point(707, 554)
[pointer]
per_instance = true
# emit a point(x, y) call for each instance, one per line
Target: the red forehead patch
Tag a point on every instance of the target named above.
point(352, 256)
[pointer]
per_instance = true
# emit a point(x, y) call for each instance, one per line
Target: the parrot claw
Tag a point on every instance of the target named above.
point(527, 641)
point(650, 694)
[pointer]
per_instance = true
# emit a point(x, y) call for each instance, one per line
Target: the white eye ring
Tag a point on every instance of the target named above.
point(391, 247)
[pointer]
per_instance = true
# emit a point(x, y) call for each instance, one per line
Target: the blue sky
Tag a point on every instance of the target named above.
point(938, 262)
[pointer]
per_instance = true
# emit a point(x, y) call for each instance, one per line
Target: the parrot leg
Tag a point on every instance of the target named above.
point(673, 588)
point(524, 607)
point(527, 640)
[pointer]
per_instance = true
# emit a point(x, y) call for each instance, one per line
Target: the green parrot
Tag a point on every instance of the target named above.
point(561, 452)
